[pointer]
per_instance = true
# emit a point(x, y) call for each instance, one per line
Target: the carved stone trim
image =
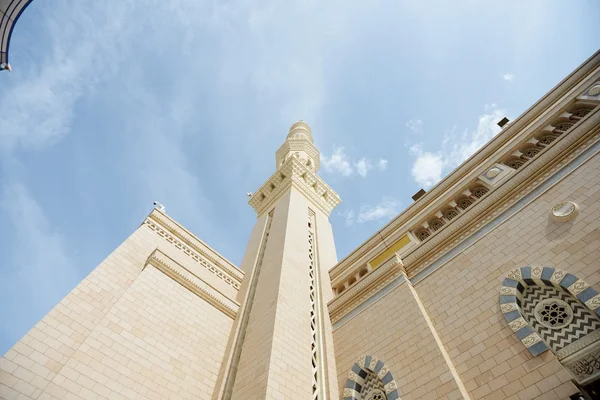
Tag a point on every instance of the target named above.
point(517, 324)
point(498, 200)
point(295, 173)
point(578, 287)
point(188, 238)
point(522, 126)
point(298, 145)
point(564, 211)
point(196, 254)
point(363, 367)
point(578, 345)
point(365, 288)
point(520, 278)
point(585, 364)
point(593, 303)
point(194, 284)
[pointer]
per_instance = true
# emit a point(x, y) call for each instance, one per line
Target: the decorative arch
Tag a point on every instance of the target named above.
point(369, 376)
point(519, 279)
point(10, 11)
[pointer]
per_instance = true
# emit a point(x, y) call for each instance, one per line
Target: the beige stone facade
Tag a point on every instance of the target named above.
point(485, 288)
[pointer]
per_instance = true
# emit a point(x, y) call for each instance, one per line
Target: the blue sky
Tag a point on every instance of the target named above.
point(114, 104)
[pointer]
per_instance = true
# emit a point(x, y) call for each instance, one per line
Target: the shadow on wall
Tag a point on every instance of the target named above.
point(555, 231)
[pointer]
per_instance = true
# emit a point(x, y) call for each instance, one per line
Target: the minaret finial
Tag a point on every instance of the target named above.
point(300, 130)
point(299, 144)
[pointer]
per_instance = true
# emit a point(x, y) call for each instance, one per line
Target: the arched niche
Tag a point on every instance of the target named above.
point(370, 379)
point(550, 309)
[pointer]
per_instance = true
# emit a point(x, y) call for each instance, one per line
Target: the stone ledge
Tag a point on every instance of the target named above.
point(193, 283)
point(518, 128)
point(231, 274)
point(494, 203)
point(365, 288)
point(293, 172)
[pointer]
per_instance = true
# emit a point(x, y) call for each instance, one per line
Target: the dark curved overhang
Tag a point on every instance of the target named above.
point(10, 11)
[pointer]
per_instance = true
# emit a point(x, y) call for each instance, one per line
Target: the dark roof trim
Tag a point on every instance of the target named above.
point(10, 11)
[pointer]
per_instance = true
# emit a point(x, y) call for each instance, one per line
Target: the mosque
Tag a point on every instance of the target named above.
point(485, 287)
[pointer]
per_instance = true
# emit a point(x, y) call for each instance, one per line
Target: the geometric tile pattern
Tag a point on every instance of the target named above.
point(511, 296)
point(366, 376)
point(372, 382)
point(583, 322)
point(313, 316)
point(554, 313)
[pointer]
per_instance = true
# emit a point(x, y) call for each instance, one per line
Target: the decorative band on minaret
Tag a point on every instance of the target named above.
point(285, 339)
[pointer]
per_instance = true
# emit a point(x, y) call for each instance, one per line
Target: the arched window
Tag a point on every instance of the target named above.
point(546, 140)
point(370, 379)
point(479, 191)
point(562, 127)
point(530, 152)
point(579, 113)
point(549, 309)
point(515, 163)
point(450, 213)
point(422, 234)
point(464, 203)
point(436, 224)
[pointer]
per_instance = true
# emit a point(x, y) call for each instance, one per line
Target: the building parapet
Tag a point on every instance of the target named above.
point(372, 283)
point(193, 283)
point(195, 248)
point(497, 201)
point(556, 124)
point(295, 173)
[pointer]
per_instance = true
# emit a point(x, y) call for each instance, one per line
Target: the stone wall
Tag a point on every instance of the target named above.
point(462, 296)
point(394, 330)
point(126, 330)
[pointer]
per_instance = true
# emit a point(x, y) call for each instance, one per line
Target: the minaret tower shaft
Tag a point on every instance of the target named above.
point(281, 344)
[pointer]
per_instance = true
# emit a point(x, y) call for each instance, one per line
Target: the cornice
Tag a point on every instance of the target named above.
point(584, 364)
point(373, 282)
point(370, 249)
point(293, 172)
point(188, 243)
point(299, 145)
point(341, 273)
point(523, 181)
point(514, 129)
point(193, 283)
point(578, 345)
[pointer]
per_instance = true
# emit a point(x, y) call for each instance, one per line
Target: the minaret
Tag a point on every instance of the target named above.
point(281, 344)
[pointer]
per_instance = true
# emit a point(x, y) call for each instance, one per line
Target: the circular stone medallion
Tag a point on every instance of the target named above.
point(564, 211)
point(493, 172)
point(594, 90)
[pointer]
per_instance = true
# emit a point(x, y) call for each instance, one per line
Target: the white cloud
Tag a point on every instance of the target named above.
point(427, 169)
point(348, 216)
point(386, 209)
point(508, 77)
point(429, 166)
point(363, 167)
point(340, 162)
point(39, 109)
point(415, 125)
